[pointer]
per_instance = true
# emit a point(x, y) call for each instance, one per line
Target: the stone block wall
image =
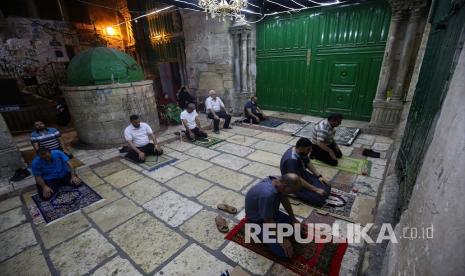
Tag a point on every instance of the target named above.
point(100, 113)
point(209, 55)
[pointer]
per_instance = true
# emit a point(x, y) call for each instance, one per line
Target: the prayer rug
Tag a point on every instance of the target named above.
point(317, 217)
point(271, 123)
point(65, 201)
point(339, 204)
point(207, 142)
point(153, 162)
point(348, 164)
point(344, 135)
point(310, 258)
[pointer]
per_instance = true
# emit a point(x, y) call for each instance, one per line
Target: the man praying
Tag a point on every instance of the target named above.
point(138, 135)
point(252, 112)
point(44, 137)
point(191, 122)
point(216, 110)
point(325, 148)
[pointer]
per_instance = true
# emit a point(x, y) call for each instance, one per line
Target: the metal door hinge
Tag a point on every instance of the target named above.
point(309, 56)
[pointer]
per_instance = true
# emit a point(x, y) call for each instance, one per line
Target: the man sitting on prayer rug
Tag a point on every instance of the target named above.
point(296, 160)
point(190, 120)
point(252, 112)
point(325, 148)
point(47, 137)
point(51, 169)
point(262, 206)
point(215, 110)
point(138, 134)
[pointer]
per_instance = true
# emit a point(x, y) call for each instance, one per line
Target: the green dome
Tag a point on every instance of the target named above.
point(101, 65)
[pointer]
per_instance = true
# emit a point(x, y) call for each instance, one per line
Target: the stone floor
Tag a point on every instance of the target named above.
point(162, 222)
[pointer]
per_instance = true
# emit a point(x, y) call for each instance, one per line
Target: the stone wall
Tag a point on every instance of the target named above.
point(100, 113)
point(437, 198)
point(10, 156)
point(209, 52)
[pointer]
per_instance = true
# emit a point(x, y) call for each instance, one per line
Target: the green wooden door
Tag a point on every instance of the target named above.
point(322, 60)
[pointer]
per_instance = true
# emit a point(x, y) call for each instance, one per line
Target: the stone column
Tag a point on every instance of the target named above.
point(406, 54)
point(10, 156)
point(241, 33)
point(244, 77)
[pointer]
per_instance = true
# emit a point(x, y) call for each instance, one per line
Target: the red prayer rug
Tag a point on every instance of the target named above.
point(309, 259)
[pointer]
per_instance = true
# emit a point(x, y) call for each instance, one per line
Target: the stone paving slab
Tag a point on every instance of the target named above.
point(377, 171)
point(230, 161)
point(235, 149)
point(194, 261)
point(244, 131)
point(172, 208)
point(180, 146)
point(110, 168)
point(265, 157)
point(381, 147)
point(246, 258)
point(273, 147)
point(260, 170)
point(202, 228)
point(9, 204)
point(147, 241)
point(164, 174)
point(143, 190)
point(362, 210)
point(79, 255)
point(242, 140)
point(189, 185)
point(29, 262)
point(90, 178)
point(117, 266)
point(193, 165)
point(11, 218)
point(62, 230)
point(115, 213)
point(222, 135)
point(108, 193)
point(274, 137)
point(123, 178)
point(15, 240)
point(216, 195)
point(226, 178)
point(202, 153)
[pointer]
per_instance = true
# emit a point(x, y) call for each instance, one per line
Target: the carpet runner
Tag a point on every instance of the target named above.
point(310, 258)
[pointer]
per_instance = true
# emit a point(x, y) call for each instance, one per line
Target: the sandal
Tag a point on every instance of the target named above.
point(221, 224)
point(227, 208)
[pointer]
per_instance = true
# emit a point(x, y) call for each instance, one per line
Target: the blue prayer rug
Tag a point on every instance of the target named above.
point(66, 200)
point(271, 123)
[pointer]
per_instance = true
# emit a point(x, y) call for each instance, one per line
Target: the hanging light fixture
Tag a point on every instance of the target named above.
point(223, 8)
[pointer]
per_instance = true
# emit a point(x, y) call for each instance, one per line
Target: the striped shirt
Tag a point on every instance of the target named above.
point(323, 132)
point(48, 138)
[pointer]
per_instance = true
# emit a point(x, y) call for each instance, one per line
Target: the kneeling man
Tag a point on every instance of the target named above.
point(325, 148)
point(138, 134)
point(252, 112)
point(190, 120)
point(296, 160)
point(51, 170)
point(262, 206)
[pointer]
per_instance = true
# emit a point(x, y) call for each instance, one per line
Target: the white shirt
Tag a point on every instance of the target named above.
point(139, 136)
point(190, 118)
point(216, 104)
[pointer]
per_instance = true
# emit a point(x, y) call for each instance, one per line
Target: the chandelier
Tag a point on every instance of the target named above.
point(223, 8)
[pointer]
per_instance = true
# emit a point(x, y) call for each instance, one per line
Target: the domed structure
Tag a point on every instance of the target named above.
point(101, 65)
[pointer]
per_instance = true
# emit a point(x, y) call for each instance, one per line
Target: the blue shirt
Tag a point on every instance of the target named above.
point(47, 139)
point(262, 201)
point(292, 162)
point(252, 106)
point(56, 168)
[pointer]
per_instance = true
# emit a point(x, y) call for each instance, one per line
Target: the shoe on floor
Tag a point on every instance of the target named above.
point(20, 174)
point(228, 127)
point(216, 131)
point(371, 153)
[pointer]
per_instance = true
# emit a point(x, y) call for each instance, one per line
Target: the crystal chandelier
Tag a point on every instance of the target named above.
point(223, 8)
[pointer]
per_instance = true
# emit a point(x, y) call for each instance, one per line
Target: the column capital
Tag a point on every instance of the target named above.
point(240, 28)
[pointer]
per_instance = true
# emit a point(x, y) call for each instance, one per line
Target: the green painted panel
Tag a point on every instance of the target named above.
point(325, 52)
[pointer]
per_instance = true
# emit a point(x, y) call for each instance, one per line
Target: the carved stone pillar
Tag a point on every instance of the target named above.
point(396, 64)
point(240, 32)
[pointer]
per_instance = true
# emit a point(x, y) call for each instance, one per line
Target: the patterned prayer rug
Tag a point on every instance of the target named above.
point(310, 258)
point(271, 123)
point(339, 204)
point(349, 164)
point(344, 135)
point(65, 201)
point(153, 162)
point(207, 142)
